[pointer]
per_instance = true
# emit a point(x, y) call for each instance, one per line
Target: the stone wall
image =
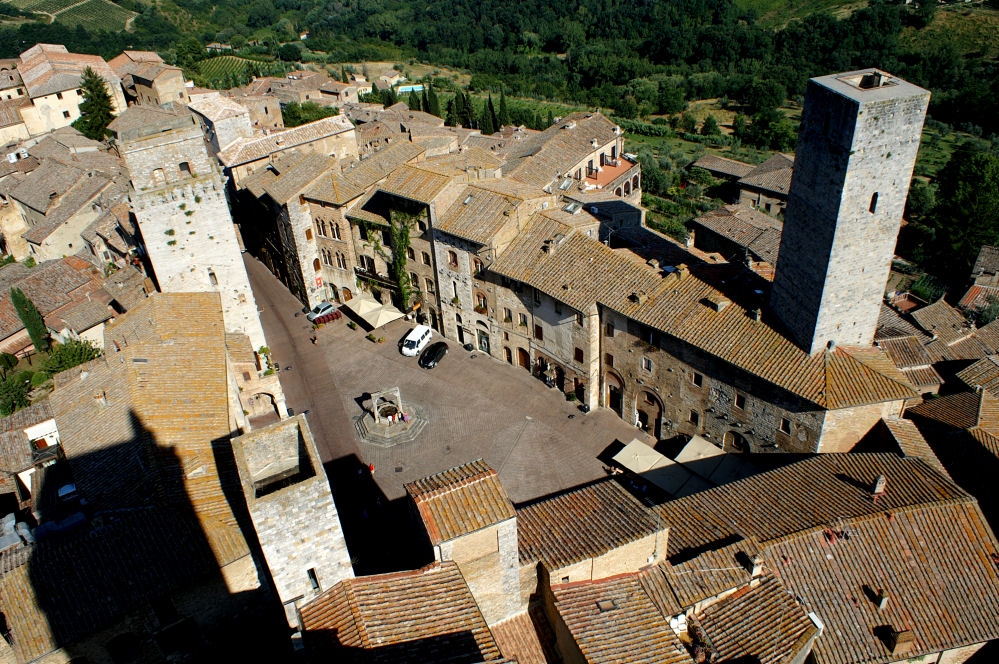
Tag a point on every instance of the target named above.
point(186, 226)
point(856, 151)
point(488, 560)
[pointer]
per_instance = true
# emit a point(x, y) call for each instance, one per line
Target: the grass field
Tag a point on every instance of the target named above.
point(95, 16)
point(47, 6)
point(973, 31)
point(779, 12)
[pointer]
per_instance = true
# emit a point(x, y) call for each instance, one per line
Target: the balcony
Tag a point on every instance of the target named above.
point(614, 173)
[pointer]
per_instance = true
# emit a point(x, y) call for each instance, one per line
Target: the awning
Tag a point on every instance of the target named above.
point(638, 457)
point(382, 316)
point(363, 305)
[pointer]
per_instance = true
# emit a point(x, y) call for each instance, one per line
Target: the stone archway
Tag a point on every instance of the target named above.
point(524, 359)
point(262, 409)
point(614, 392)
point(734, 441)
point(650, 413)
point(347, 295)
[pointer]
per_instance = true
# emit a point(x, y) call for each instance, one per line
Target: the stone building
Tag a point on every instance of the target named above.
point(292, 509)
point(223, 121)
point(146, 79)
point(470, 520)
point(857, 146)
point(179, 200)
point(765, 187)
point(265, 110)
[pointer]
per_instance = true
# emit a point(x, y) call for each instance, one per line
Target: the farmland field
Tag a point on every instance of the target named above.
point(223, 64)
point(47, 6)
point(95, 16)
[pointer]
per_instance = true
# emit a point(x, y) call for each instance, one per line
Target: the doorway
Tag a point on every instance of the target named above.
point(524, 359)
point(615, 394)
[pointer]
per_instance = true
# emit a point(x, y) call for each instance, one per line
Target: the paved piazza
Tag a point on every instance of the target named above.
point(477, 407)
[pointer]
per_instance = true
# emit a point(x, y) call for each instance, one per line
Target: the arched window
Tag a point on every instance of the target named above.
point(480, 301)
point(452, 259)
point(341, 261)
point(414, 280)
point(634, 182)
point(322, 228)
point(627, 188)
point(477, 265)
point(316, 265)
point(874, 203)
point(158, 176)
point(336, 230)
point(185, 169)
point(617, 191)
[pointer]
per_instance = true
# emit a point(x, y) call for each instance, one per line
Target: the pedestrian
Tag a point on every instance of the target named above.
point(314, 340)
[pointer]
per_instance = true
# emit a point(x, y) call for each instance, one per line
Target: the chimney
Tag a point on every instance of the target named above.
point(101, 398)
point(900, 642)
point(880, 485)
point(882, 599)
point(756, 315)
point(653, 263)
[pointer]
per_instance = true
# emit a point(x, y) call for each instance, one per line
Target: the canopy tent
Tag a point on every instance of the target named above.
point(362, 305)
point(382, 316)
point(700, 465)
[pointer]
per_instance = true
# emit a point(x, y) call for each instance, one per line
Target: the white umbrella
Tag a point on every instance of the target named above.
point(382, 316)
point(363, 305)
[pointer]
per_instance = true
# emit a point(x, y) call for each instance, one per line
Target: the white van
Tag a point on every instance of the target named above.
point(416, 340)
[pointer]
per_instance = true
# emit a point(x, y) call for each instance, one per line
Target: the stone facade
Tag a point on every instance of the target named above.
point(179, 200)
point(857, 146)
point(289, 499)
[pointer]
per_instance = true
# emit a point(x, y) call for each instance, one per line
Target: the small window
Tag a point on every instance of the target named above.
point(430, 286)
point(609, 330)
point(480, 300)
point(874, 203)
point(58, 95)
point(422, 225)
point(608, 359)
point(452, 259)
point(697, 379)
point(336, 231)
point(740, 401)
point(523, 319)
point(507, 315)
point(410, 253)
point(313, 579)
point(426, 258)
point(212, 278)
point(308, 233)
point(647, 364)
point(694, 418)
point(539, 334)
point(65, 114)
point(578, 355)
point(579, 320)
point(415, 280)
point(785, 425)
point(185, 168)
point(477, 265)
point(315, 264)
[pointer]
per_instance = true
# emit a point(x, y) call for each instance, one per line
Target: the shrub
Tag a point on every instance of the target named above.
point(39, 378)
point(352, 325)
point(370, 338)
point(70, 354)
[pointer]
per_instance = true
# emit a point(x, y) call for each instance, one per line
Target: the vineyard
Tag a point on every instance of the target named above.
point(224, 65)
point(94, 15)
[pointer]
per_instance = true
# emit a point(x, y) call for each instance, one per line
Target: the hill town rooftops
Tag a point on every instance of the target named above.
point(49, 68)
point(245, 150)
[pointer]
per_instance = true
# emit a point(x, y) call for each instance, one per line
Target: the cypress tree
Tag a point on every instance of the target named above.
point(451, 118)
point(490, 110)
point(343, 75)
point(504, 113)
point(414, 101)
point(551, 118)
point(426, 100)
point(434, 106)
point(32, 320)
point(96, 111)
point(486, 125)
point(469, 119)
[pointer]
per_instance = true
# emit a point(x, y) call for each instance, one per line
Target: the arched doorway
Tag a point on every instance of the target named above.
point(482, 336)
point(262, 409)
point(650, 413)
point(347, 295)
point(614, 395)
point(524, 359)
point(336, 293)
point(508, 354)
point(735, 442)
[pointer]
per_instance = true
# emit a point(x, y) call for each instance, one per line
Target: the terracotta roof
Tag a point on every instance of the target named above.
point(88, 191)
point(86, 315)
point(978, 297)
point(581, 523)
point(478, 213)
point(424, 616)
point(959, 410)
point(49, 68)
point(761, 624)
point(806, 495)
point(617, 621)
point(730, 167)
point(911, 442)
point(355, 178)
point(747, 227)
point(984, 373)
point(10, 111)
point(69, 586)
point(245, 150)
point(987, 261)
point(893, 325)
point(218, 108)
point(909, 354)
point(15, 448)
point(124, 447)
point(580, 271)
point(518, 639)
point(944, 321)
point(51, 286)
point(295, 173)
point(415, 183)
point(935, 561)
point(773, 175)
point(460, 501)
point(710, 573)
point(538, 159)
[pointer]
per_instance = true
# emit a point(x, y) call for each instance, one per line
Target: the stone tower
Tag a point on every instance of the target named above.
point(178, 196)
point(856, 150)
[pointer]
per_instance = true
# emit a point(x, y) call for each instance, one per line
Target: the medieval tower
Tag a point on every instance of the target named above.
point(856, 150)
point(179, 200)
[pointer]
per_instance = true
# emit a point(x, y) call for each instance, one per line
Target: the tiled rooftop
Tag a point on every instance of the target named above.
point(460, 501)
point(773, 175)
point(245, 150)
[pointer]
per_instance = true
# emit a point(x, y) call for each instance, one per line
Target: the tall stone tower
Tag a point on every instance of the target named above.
point(856, 149)
point(178, 196)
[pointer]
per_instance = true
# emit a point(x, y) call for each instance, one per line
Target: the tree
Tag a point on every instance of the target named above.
point(740, 127)
point(434, 104)
point(486, 124)
point(710, 126)
point(966, 214)
point(32, 320)
point(389, 98)
point(671, 98)
point(13, 395)
point(7, 362)
point(189, 51)
point(96, 111)
point(688, 123)
point(415, 103)
point(70, 354)
point(289, 53)
point(504, 113)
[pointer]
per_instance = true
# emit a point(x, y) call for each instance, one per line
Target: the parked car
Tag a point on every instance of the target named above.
point(322, 309)
point(416, 340)
point(433, 355)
